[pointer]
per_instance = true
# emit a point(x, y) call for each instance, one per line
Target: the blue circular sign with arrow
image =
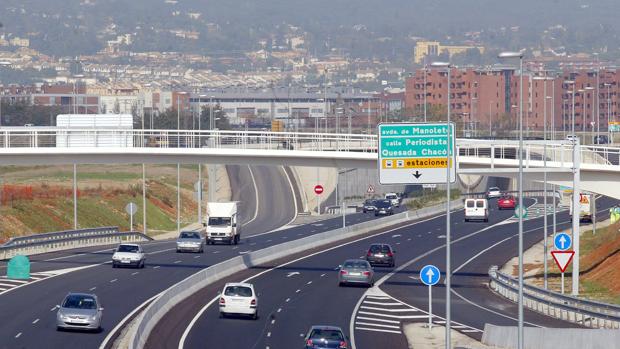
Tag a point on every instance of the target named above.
point(562, 242)
point(430, 275)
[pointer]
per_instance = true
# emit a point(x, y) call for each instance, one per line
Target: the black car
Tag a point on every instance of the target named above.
point(380, 254)
point(383, 207)
point(601, 139)
point(369, 205)
point(320, 337)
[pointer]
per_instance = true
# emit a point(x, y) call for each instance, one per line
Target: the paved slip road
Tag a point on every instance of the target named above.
point(290, 303)
point(27, 313)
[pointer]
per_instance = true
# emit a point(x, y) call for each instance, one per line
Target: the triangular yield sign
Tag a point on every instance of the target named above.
point(562, 258)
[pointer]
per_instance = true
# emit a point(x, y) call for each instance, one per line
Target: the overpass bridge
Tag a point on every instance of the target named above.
point(599, 165)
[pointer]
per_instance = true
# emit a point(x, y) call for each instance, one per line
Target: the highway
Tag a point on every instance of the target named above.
point(304, 292)
point(27, 312)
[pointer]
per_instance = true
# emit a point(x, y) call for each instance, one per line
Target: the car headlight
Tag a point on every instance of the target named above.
point(115, 257)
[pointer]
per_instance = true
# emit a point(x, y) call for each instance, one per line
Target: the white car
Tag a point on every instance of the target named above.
point(128, 255)
point(394, 199)
point(240, 299)
point(494, 192)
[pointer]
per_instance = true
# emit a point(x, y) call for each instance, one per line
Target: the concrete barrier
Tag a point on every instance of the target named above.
point(185, 288)
point(551, 338)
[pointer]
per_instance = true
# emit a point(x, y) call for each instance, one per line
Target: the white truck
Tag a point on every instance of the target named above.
point(222, 223)
point(586, 207)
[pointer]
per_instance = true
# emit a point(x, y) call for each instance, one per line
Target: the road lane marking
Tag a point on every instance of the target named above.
point(135, 273)
point(380, 320)
point(156, 267)
point(113, 280)
point(177, 262)
point(18, 335)
point(279, 310)
point(287, 300)
point(298, 290)
point(35, 321)
point(195, 257)
point(273, 321)
point(377, 330)
point(309, 282)
point(377, 325)
point(268, 334)
point(92, 288)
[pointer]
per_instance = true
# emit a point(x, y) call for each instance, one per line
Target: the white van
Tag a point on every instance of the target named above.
point(476, 209)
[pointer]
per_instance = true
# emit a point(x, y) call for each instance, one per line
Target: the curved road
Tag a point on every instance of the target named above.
point(27, 313)
point(290, 303)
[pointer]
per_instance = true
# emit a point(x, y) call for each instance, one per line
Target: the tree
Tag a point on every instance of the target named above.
point(221, 119)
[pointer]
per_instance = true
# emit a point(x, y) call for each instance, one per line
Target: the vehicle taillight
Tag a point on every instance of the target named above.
point(390, 254)
point(309, 343)
point(253, 302)
point(369, 254)
point(222, 301)
point(343, 272)
point(343, 345)
point(366, 273)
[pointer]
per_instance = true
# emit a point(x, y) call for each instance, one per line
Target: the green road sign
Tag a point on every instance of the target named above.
point(521, 211)
point(18, 268)
point(416, 153)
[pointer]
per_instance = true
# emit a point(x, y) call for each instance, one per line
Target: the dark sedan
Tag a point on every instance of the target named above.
point(369, 205)
point(382, 254)
point(320, 337)
point(384, 208)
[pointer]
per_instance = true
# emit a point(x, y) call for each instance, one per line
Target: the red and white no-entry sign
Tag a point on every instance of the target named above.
point(318, 189)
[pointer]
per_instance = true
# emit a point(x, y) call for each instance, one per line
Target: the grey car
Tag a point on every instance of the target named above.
point(382, 254)
point(369, 205)
point(356, 271)
point(323, 337)
point(190, 241)
point(79, 311)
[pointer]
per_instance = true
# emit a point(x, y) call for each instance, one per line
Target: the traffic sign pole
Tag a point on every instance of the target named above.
point(562, 282)
point(576, 191)
point(430, 307)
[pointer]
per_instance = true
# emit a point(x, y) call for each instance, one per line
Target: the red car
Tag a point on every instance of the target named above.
point(506, 202)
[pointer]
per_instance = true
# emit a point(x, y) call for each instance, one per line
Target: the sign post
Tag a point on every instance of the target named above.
point(131, 210)
point(318, 190)
point(416, 153)
point(430, 275)
point(562, 257)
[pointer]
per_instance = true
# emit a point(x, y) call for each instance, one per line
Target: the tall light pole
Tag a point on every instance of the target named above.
point(448, 67)
point(425, 77)
point(591, 89)
point(178, 164)
point(519, 55)
point(608, 111)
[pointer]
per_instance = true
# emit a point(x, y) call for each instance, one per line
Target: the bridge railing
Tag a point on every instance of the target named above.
point(64, 240)
point(558, 152)
point(587, 313)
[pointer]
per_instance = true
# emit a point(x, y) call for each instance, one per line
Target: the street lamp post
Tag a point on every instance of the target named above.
point(608, 111)
point(448, 67)
point(519, 55)
point(425, 77)
point(590, 88)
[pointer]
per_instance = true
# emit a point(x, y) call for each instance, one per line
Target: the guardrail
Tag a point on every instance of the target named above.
point(185, 288)
point(587, 313)
point(64, 240)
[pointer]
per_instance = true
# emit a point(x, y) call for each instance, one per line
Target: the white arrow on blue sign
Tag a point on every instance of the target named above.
point(562, 242)
point(430, 275)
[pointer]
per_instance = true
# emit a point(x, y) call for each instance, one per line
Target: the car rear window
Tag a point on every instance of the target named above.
point(355, 264)
point(480, 203)
point(331, 335)
point(470, 203)
point(79, 302)
point(238, 291)
point(390, 197)
point(379, 249)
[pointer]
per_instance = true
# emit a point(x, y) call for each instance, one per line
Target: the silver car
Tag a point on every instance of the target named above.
point(190, 241)
point(79, 311)
point(356, 271)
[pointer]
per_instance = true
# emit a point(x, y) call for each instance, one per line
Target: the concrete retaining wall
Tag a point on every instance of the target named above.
point(551, 338)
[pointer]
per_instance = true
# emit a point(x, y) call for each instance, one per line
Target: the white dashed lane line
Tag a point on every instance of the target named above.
point(18, 335)
point(114, 280)
point(35, 321)
point(177, 262)
point(92, 288)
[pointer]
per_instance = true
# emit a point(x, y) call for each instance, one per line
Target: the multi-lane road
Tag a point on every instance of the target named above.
point(304, 292)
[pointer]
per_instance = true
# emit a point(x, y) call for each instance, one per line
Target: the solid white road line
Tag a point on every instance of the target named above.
point(255, 196)
point(377, 330)
point(394, 316)
point(122, 323)
point(381, 303)
point(390, 310)
point(377, 325)
point(379, 320)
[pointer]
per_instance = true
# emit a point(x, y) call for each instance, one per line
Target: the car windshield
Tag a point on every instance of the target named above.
point(507, 197)
point(219, 221)
point(391, 197)
point(368, 202)
point(128, 248)
point(379, 249)
point(494, 189)
point(79, 302)
point(189, 235)
point(238, 291)
point(355, 265)
point(330, 335)
point(383, 204)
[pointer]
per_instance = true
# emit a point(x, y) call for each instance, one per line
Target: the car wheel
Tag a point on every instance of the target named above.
point(486, 220)
point(340, 284)
point(365, 211)
point(255, 316)
point(59, 329)
point(222, 315)
point(113, 265)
